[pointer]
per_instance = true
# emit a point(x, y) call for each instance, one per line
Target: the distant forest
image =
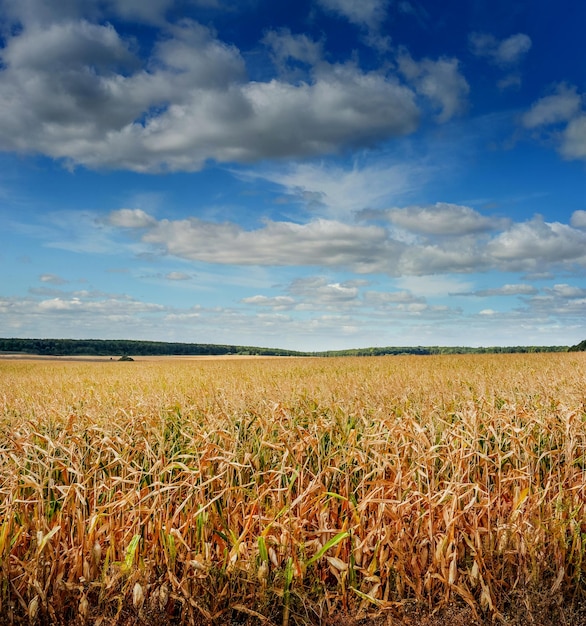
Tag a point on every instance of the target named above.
point(117, 347)
point(124, 347)
point(581, 347)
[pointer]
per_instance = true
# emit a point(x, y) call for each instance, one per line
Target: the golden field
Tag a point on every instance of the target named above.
point(286, 490)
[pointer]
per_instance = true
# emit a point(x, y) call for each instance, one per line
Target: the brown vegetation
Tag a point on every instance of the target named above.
point(286, 491)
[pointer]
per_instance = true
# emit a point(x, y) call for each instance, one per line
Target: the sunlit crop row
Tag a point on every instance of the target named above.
point(283, 490)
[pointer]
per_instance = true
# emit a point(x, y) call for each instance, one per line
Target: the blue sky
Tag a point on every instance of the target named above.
point(319, 174)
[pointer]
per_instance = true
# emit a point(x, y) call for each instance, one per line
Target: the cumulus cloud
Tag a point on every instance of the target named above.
point(366, 13)
point(521, 289)
point(505, 52)
point(52, 279)
point(477, 243)
point(413, 321)
point(151, 12)
point(439, 219)
point(131, 218)
point(563, 107)
point(277, 303)
point(342, 106)
point(79, 306)
point(35, 12)
point(578, 219)
point(560, 106)
point(531, 245)
point(321, 242)
point(70, 45)
point(466, 257)
point(286, 46)
point(574, 139)
point(318, 290)
point(566, 291)
point(318, 293)
point(560, 302)
point(41, 12)
point(386, 298)
point(439, 81)
point(177, 276)
point(75, 90)
point(121, 316)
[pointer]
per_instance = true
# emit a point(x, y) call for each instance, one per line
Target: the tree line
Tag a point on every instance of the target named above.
point(117, 347)
point(429, 350)
point(580, 347)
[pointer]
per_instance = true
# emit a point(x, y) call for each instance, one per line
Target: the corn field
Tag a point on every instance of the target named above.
point(283, 491)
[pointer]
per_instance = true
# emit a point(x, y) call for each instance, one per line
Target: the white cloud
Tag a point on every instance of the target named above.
point(40, 12)
point(286, 46)
point(505, 52)
point(366, 13)
point(318, 290)
point(343, 105)
point(318, 293)
point(561, 106)
point(578, 219)
point(337, 191)
point(439, 219)
point(440, 81)
point(561, 302)
point(92, 314)
point(358, 324)
point(574, 139)
point(177, 276)
point(74, 90)
point(465, 257)
point(277, 303)
point(512, 49)
point(532, 246)
point(71, 45)
point(152, 12)
point(566, 291)
point(386, 298)
point(521, 289)
point(535, 244)
point(37, 12)
point(52, 279)
point(197, 60)
point(432, 286)
point(111, 307)
point(321, 242)
point(131, 218)
point(564, 106)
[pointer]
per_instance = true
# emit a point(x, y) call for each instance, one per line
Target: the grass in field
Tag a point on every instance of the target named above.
point(285, 490)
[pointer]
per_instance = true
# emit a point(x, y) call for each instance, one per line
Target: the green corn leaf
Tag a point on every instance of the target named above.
point(334, 541)
point(262, 549)
point(130, 553)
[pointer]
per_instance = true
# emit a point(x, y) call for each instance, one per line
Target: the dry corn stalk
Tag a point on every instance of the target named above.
point(244, 483)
